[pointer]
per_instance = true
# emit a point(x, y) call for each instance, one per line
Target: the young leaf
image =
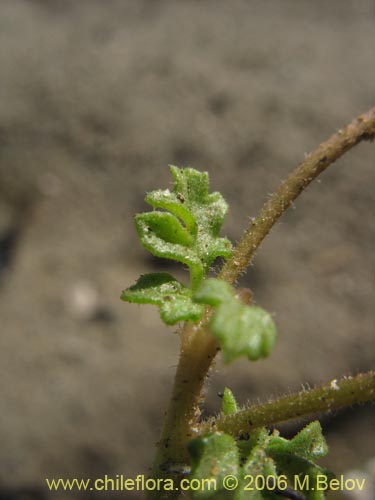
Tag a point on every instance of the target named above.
point(308, 474)
point(242, 330)
point(163, 226)
point(257, 465)
point(164, 236)
point(172, 297)
point(213, 457)
point(309, 443)
point(189, 232)
point(296, 458)
point(229, 402)
point(267, 461)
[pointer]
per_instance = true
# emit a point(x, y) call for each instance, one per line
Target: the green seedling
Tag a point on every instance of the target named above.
point(184, 226)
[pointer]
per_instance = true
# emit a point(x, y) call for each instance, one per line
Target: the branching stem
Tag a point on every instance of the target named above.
point(362, 128)
point(198, 347)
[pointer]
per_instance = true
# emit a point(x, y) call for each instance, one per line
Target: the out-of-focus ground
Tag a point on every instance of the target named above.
point(96, 99)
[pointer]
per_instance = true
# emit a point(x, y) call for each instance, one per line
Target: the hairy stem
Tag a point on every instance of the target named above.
point(338, 394)
point(183, 412)
point(198, 347)
point(362, 128)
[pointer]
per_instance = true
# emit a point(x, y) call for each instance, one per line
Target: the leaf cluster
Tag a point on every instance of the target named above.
point(263, 464)
point(184, 226)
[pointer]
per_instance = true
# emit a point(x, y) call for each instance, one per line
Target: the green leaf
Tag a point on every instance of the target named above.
point(307, 473)
point(164, 226)
point(172, 297)
point(309, 443)
point(242, 330)
point(288, 464)
point(189, 232)
point(163, 236)
point(213, 456)
point(229, 402)
point(296, 458)
point(257, 465)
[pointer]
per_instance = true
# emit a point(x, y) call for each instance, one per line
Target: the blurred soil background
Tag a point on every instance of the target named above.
point(96, 99)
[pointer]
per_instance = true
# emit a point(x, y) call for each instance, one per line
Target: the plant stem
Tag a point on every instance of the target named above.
point(338, 394)
point(198, 347)
point(361, 128)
